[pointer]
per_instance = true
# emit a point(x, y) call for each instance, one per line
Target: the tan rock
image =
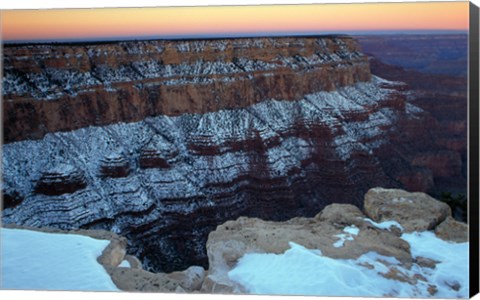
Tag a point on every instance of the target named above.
point(233, 239)
point(345, 214)
point(134, 262)
point(414, 211)
point(115, 252)
point(396, 274)
point(191, 279)
point(220, 284)
point(135, 280)
point(452, 230)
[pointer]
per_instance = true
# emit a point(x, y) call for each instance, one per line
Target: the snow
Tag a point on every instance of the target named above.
point(125, 264)
point(353, 230)
point(301, 271)
point(34, 260)
point(453, 257)
point(350, 232)
point(402, 200)
point(385, 225)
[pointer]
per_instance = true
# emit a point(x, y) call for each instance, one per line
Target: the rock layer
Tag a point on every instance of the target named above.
point(273, 160)
point(60, 180)
point(49, 88)
point(202, 132)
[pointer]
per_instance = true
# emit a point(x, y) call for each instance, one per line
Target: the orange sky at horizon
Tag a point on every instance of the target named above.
point(170, 21)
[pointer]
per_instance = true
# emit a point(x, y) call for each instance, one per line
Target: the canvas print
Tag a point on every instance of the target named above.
point(316, 149)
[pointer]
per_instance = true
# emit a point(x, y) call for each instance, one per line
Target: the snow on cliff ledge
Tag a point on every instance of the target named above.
point(32, 260)
point(302, 271)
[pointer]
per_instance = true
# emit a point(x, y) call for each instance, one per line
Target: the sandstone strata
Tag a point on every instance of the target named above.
point(189, 173)
point(114, 165)
point(199, 132)
point(49, 88)
point(60, 179)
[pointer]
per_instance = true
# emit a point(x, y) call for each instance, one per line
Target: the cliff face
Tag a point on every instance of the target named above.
point(59, 88)
point(438, 141)
point(162, 141)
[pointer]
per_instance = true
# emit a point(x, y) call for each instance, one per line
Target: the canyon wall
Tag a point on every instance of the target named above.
point(49, 88)
point(161, 141)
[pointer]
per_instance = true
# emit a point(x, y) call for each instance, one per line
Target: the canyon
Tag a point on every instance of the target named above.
point(437, 54)
point(161, 141)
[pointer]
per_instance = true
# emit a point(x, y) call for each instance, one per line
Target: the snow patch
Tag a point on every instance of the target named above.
point(125, 264)
point(402, 200)
point(350, 231)
point(301, 271)
point(452, 271)
point(385, 225)
point(48, 261)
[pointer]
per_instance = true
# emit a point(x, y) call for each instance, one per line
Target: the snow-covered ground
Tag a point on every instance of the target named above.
point(32, 260)
point(301, 271)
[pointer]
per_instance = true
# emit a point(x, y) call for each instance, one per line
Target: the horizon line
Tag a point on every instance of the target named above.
point(213, 36)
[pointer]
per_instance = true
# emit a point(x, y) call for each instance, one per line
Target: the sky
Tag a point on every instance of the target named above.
point(117, 23)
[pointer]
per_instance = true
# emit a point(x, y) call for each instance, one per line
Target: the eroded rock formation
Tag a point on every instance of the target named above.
point(233, 239)
point(173, 138)
point(48, 88)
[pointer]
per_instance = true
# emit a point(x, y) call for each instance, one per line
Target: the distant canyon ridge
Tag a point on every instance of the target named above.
point(161, 141)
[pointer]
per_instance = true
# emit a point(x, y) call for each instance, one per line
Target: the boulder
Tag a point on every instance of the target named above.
point(115, 252)
point(414, 211)
point(191, 279)
point(137, 280)
point(452, 230)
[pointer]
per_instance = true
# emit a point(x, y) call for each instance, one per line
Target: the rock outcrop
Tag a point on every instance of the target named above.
point(233, 239)
point(415, 211)
point(50, 88)
point(59, 180)
point(339, 231)
point(114, 165)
